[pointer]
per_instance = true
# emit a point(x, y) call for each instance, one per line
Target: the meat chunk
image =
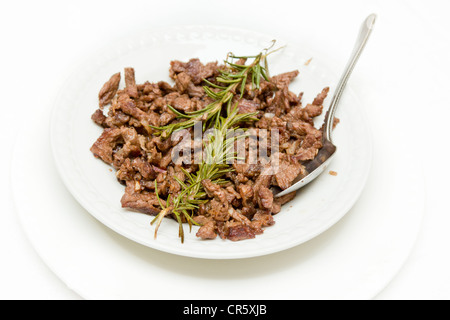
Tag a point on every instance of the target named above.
point(287, 172)
point(286, 198)
point(142, 202)
point(182, 81)
point(262, 219)
point(311, 111)
point(115, 144)
point(207, 231)
point(246, 192)
point(247, 106)
point(265, 198)
point(284, 79)
point(195, 69)
point(183, 103)
point(108, 91)
point(215, 191)
point(240, 232)
point(98, 117)
point(130, 83)
point(128, 106)
point(116, 119)
point(318, 101)
point(103, 148)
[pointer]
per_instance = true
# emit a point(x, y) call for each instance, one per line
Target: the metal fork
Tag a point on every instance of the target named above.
point(316, 166)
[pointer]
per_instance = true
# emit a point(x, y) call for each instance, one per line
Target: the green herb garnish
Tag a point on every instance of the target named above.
point(218, 146)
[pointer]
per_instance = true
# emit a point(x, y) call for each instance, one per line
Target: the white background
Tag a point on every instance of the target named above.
point(408, 55)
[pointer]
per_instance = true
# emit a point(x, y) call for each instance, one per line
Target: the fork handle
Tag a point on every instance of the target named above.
point(364, 33)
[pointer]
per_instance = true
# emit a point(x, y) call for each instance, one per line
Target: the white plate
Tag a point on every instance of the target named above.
point(316, 207)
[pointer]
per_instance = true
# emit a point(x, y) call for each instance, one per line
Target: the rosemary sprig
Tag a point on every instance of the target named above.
point(213, 167)
point(234, 77)
point(218, 146)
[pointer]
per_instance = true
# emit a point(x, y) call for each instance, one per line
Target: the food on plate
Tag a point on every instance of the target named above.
point(255, 134)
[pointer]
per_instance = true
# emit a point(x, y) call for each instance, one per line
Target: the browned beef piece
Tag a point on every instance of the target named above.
point(270, 121)
point(287, 172)
point(312, 139)
point(265, 219)
point(279, 201)
point(246, 192)
point(162, 144)
point(306, 154)
point(215, 190)
point(165, 87)
point(137, 169)
point(249, 170)
point(130, 83)
point(167, 180)
point(207, 230)
point(264, 178)
point(284, 79)
point(291, 147)
point(218, 207)
point(108, 91)
point(201, 219)
point(116, 119)
point(311, 111)
point(308, 113)
point(169, 99)
point(239, 217)
point(143, 202)
point(247, 106)
point(115, 144)
point(219, 210)
point(128, 106)
point(182, 81)
point(265, 197)
point(195, 91)
point(166, 118)
point(183, 103)
point(286, 198)
point(152, 88)
point(260, 188)
point(103, 147)
point(98, 117)
point(174, 185)
point(232, 194)
point(336, 122)
point(195, 69)
point(295, 114)
point(279, 103)
point(130, 148)
point(239, 232)
point(299, 129)
point(126, 171)
point(162, 185)
point(310, 147)
point(318, 101)
point(165, 160)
